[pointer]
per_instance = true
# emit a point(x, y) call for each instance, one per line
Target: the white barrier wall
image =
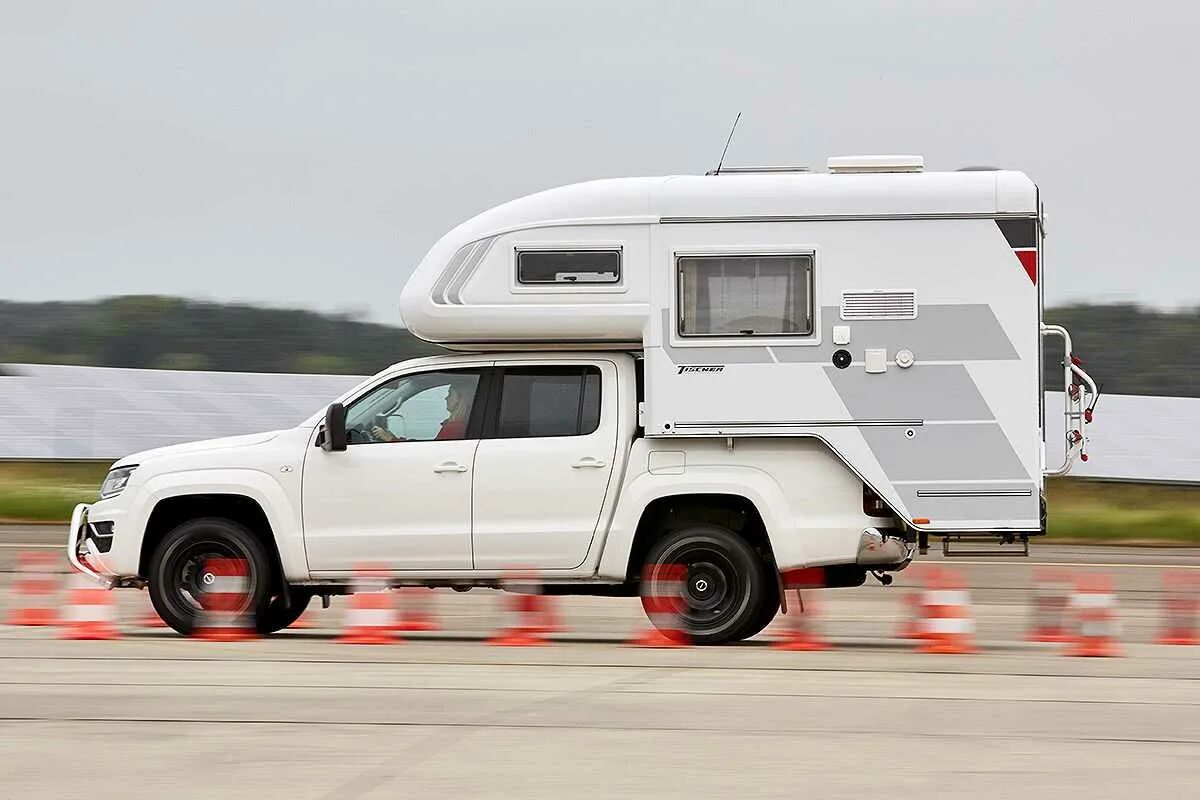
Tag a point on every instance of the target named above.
point(65, 412)
point(1135, 438)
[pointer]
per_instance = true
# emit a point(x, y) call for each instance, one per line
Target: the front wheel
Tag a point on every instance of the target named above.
point(723, 594)
point(178, 579)
point(279, 613)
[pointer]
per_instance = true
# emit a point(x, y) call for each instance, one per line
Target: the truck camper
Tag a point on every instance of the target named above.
point(743, 373)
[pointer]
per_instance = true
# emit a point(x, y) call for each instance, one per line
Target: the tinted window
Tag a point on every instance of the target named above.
point(745, 295)
point(569, 266)
point(548, 401)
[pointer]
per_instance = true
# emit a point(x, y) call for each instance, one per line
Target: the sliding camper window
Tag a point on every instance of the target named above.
point(746, 295)
point(565, 267)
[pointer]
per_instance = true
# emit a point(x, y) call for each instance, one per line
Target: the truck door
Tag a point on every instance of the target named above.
point(543, 466)
point(399, 496)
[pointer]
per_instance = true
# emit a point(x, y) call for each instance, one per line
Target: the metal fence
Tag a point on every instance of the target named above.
point(65, 412)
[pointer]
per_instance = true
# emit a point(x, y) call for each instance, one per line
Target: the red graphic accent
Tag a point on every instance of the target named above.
point(1028, 259)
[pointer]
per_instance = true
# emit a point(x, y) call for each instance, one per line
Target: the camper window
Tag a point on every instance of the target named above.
point(746, 295)
point(568, 266)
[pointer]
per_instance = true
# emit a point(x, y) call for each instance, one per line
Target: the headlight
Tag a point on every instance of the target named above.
point(114, 481)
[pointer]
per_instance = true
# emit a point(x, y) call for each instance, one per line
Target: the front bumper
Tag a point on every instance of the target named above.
point(82, 549)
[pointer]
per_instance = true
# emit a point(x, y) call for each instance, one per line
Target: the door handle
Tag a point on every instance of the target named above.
point(450, 466)
point(589, 462)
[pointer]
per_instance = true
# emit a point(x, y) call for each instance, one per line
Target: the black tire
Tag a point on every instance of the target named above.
point(725, 587)
point(276, 615)
point(767, 609)
point(175, 577)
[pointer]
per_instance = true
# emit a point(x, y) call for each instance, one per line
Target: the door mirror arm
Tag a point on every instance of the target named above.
point(333, 438)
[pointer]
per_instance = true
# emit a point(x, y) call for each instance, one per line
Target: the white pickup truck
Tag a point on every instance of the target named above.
point(741, 373)
point(451, 470)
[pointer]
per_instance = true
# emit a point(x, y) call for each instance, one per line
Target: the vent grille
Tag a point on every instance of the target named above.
point(879, 305)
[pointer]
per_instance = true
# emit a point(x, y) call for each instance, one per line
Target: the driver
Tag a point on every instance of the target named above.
point(458, 409)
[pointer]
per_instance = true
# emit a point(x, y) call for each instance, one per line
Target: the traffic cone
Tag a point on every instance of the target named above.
point(662, 590)
point(1051, 601)
point(1181, 607)
point(913, 602)
point(34, 589)
point(149, 617)
point(416, 610)
point(528, 611)
point(224, 606)
point(947, 626)
point(799, 628)
point(91, 612)
point(1095, 605)
point(371, 613)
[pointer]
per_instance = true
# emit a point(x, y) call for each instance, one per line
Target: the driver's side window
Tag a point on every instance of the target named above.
point(422, 407)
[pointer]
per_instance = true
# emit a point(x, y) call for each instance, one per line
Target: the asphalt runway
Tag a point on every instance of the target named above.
point(301, 715)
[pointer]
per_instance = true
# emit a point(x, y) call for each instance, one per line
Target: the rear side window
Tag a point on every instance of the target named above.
point(767, 295)
point(568, 266)
point(548, 401)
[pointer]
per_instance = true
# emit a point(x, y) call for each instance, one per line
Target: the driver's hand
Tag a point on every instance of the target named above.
point(383, 435)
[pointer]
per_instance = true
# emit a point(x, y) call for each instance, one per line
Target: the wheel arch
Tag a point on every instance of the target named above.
point(172, 511)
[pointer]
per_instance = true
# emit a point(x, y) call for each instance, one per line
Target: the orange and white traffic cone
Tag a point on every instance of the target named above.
point(91, 612)
point(1095, 606)
point(371, 613)
point(225, 615)
point(947, 626)
point(1051, 601)
point(1181, 608)
point(528, 612)
point(913, 601)
point(799, 623)
point(34, 589)
point(149, 617)
point(416, 610)
point(662, 590)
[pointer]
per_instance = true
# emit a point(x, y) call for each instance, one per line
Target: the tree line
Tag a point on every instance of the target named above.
point(1131, 349)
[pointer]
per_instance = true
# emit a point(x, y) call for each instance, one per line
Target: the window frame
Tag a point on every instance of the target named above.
point(519, 286)
point(491, 424)
point(475, 422)
point(811, 338)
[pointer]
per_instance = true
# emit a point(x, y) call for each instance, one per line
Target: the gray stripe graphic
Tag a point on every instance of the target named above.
point(967, 332)
point(945, 452)
point(930, 392)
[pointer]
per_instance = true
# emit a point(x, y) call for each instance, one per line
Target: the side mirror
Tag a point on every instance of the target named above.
point(334, 435)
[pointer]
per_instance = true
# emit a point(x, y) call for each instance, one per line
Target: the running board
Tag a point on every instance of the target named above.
point(1002, 540)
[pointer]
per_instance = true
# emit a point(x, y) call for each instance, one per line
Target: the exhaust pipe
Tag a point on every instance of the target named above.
point(876, 549)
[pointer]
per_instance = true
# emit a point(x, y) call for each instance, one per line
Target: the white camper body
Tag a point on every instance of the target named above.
point(892, 314)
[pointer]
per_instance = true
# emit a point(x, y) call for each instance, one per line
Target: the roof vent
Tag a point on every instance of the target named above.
point(856, 164)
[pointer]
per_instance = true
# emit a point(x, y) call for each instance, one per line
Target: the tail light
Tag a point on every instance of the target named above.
point(873, 505)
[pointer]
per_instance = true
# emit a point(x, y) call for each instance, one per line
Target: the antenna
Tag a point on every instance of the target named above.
point(721, 163)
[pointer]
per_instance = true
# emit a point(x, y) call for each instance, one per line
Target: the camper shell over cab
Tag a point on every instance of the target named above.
point(892, 314)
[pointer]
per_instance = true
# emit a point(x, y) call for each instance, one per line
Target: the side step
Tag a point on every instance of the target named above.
point(1002, 551)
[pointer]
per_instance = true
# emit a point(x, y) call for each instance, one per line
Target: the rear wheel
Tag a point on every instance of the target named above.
point(724, 586)
point(178, 577)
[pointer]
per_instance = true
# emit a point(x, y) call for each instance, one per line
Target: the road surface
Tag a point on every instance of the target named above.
point(444, 714)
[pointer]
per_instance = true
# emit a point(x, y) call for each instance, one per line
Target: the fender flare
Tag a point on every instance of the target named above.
point(750, 483)
point(253, 484)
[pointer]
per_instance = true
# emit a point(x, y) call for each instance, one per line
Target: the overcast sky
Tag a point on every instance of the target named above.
point(307, 154)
